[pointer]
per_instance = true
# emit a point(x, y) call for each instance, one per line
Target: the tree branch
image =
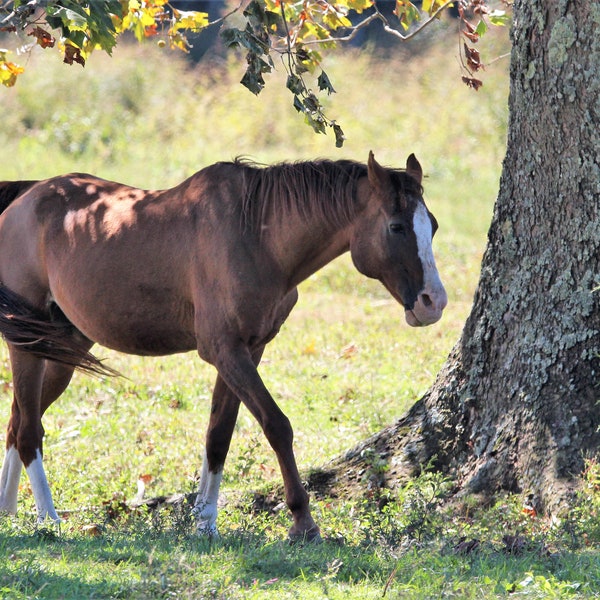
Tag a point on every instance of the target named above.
point(386, 26)
point(408, 36)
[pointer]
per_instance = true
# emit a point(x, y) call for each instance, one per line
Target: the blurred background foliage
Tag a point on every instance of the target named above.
point(151, 117)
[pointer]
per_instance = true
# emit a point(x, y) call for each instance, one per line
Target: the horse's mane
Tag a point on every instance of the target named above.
point(322, 189)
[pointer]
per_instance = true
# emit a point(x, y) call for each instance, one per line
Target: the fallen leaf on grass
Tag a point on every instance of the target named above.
point(93, 530)
point(349, 351)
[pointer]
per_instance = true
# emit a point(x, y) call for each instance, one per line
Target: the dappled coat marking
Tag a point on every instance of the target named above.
point(211, 265)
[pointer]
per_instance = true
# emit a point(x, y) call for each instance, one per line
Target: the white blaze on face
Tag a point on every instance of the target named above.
point(432, 299)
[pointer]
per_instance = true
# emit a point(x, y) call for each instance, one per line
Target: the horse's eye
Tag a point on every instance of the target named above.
point(397, 228)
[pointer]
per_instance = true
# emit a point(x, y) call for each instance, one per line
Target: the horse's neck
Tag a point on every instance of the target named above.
point(302, 243)
point(303, 250)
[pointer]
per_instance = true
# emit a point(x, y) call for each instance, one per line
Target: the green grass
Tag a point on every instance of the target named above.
point(409, 549)
point(344, 366)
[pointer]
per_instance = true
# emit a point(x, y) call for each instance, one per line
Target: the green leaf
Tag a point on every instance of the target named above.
point(339, 135)
point(77, 38)
point(246, 39)
point(298, 104)
point(481, 28)
point(253, 81)
point(317, 123)
point(324, 83)
point(295, 84)
point(71, 18)
point(311, 103)
point(101, 26)
point(257, 15)
point(230, 37)
point(499, 18)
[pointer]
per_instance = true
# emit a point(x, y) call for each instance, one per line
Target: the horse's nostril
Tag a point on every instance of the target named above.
point(426, 300)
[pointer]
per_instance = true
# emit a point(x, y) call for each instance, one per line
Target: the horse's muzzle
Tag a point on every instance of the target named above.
point(427, 309)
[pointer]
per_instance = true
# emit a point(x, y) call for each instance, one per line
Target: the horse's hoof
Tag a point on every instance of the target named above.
point(48, 528)
point(47, 534)
point(207, 532)
point(312, 536)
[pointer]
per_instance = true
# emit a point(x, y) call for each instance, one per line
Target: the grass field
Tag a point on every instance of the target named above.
point(344, 366)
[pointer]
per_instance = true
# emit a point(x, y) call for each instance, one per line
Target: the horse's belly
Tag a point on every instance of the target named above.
point(147, 341)
point(134, 326)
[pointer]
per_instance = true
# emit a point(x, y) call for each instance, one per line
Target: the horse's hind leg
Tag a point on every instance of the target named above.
point(9, 480)
point(37, 383)
point(25, 431)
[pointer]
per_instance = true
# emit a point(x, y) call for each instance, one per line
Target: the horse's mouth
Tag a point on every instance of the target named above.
point(419, 317)
point(412, 319)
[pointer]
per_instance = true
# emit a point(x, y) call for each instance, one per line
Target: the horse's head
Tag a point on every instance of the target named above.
point(392, 242)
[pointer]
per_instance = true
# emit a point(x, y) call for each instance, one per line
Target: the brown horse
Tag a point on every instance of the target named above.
point(211, 265)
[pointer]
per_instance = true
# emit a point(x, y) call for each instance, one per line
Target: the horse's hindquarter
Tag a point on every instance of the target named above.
point(112, 259)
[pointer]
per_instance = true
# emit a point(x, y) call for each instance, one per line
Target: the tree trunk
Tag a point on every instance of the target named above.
point(516, 406)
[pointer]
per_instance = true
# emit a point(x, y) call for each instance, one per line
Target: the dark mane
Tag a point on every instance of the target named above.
point(324, 189)
point(10, 190)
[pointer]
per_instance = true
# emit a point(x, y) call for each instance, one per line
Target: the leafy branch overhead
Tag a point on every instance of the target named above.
point(297, 32)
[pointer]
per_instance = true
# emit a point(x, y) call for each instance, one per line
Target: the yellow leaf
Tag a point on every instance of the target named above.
point(178, 41)
point(9, 71)
point(310, 349)
point(192, 20)
point(357, 5)
point(430, 6)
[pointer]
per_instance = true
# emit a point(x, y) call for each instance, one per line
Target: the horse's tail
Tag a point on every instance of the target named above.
point(10, 190)
point(56, 339)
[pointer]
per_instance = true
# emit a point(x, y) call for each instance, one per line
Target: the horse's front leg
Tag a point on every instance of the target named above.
point(223, 415)
point(238, 370)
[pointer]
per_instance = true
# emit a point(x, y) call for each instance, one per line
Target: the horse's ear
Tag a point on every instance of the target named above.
point(413, 168)
point(378, 176)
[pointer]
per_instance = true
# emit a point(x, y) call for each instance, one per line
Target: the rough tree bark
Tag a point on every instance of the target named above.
point(516, 406)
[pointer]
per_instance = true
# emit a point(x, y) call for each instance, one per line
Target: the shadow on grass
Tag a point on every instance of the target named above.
point(139, 562)
point(135, 559)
